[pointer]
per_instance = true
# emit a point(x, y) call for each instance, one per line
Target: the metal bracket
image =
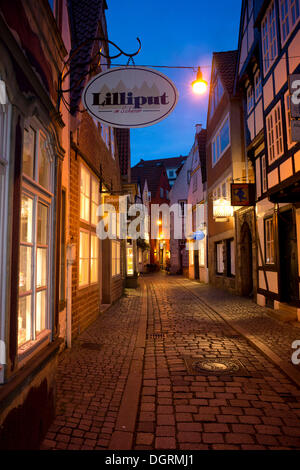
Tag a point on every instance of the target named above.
point(93, 64)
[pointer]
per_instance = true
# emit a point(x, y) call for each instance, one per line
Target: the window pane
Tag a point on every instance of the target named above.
point(25, 269)
point(26, 219)
point(24, 319)
point(40, 311)
point(28, 152)
point(44, 164)
point(129, 260)
point(94, 258)
point(42, 224)
point(224, 134)
point(85, 194)
point(84, 259)
point(41, 267)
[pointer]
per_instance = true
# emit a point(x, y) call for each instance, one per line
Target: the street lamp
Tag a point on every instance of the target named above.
point(199, 85)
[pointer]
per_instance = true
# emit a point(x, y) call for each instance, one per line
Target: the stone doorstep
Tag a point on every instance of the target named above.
point(104, 307)
point(283, 315)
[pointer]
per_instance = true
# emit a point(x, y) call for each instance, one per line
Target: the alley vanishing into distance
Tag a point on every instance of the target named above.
point(142, 376)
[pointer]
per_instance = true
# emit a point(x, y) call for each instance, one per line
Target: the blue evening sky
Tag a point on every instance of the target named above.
point(173, 33)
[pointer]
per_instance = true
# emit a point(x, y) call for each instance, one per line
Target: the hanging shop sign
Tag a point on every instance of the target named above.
point(198, 235)
point(294, 87)
point(242, 194)
point(130, 97)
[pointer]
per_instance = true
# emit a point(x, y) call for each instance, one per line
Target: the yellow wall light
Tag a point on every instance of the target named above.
point(199, 85)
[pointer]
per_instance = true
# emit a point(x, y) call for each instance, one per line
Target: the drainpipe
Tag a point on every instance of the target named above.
point(71, 254)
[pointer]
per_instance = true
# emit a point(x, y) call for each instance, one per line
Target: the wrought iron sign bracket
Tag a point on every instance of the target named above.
point(93, 64)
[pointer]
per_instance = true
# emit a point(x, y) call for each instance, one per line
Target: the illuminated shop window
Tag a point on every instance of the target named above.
point(35, 234)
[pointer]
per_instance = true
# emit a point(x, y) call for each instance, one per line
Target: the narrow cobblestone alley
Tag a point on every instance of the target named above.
point(132, 380)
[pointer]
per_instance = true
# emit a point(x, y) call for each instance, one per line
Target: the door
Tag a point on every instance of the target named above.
point(288, 257)
point(196, 264)
point(246, 257)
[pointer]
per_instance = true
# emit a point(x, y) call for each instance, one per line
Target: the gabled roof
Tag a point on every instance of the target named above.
point(225, 63)
point(151, 174)
point(172, 162)
point(84, 18)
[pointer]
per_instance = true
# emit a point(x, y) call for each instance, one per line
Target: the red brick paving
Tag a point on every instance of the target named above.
point(177, 409)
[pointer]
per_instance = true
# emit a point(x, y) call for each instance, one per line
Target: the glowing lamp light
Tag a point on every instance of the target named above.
point(199, 85)
point(158, 222)
point(222, 209)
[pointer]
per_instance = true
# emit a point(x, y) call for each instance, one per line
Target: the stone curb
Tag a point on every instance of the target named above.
point(122, 437)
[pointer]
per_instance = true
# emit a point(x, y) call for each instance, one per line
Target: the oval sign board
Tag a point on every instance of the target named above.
point(130, 97)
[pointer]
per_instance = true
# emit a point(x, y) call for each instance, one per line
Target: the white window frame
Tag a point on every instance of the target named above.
point(274, 133)
point(289, 7)
point(216, 142)
point(39, 194)
point(269, 38)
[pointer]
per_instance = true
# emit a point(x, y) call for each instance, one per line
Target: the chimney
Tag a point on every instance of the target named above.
point(198, 128)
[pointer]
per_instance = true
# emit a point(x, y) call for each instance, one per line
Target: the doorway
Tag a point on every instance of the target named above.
point(246, 257)
point(196, 264)
point(288, 257)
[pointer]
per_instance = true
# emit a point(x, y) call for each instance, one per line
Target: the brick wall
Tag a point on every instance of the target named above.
point(91, 149)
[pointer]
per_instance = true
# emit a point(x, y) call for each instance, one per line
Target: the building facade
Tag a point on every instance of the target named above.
point(197, 203)
point(269, 45)
point(225, 163)
point(158, 194)
point(31, 155)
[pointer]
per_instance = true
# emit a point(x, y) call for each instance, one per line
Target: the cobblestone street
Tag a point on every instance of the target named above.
point(131, 380)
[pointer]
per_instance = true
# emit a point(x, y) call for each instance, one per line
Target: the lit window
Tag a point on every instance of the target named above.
point(269, 40)
point(84, 258)
point(85, 194)
point(94, 258)
point(35, 233)
point(29, 151)
point(257, 85)
point(191, 253)
point(274, 133)
point(116, 261)
point(130, 266)
point(269, 241)
point(201, 245)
